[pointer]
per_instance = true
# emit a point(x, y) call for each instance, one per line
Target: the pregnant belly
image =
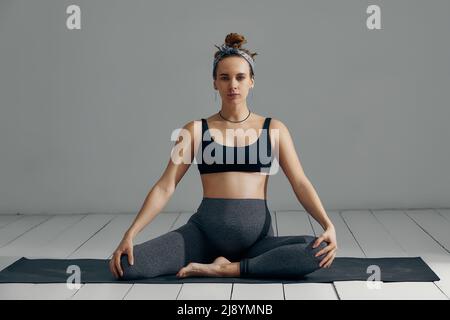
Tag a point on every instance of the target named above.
point(231, 232)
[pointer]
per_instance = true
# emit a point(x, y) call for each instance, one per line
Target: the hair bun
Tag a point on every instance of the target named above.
point(235, 40)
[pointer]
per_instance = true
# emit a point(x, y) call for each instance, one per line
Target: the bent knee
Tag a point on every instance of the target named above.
point(130, 272)
point(314, 251)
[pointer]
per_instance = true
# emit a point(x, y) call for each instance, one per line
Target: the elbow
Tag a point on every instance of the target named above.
point(301, 183)
point(166, 188)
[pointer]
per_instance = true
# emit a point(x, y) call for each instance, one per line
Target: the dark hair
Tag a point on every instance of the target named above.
point(234, 40)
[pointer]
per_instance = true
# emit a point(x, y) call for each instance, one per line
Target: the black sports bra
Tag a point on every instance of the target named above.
point(248, 158)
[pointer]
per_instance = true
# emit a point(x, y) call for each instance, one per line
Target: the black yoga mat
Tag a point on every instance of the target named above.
point(392, 269)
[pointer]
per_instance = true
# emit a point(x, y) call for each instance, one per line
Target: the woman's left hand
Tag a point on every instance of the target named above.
point(328, 236)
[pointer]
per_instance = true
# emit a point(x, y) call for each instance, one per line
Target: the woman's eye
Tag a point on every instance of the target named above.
point(240, 78)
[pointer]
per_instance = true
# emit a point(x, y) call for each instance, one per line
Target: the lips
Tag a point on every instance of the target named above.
point(233, 94)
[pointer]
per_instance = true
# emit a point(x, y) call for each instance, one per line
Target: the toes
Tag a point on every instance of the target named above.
point(181, 273)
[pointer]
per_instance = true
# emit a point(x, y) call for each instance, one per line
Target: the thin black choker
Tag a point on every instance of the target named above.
point(235, 121)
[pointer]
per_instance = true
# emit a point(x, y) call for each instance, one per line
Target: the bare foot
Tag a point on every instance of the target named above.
point(214, 269)
point(199, 269)
point(221, 260)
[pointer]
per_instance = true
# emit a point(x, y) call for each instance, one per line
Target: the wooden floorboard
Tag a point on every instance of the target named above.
point(205, 291)
point(376, 241)
point(360, 234)
point(102, 291)
point(153, 291)
point(30, 243)
point(19, 227)
point(102, 244)
point(359, 290)
point(259, 291)
point(347, 245)
point(76, 235)
point(434, 224)
point(445, 213)
point(417, 242)
point(7, 219)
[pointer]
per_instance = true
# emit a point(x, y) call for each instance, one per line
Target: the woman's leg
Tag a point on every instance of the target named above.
point(242, 228)
point(168, 253)
point(279, 257)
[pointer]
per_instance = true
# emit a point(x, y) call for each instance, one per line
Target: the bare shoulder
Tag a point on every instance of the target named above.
point(192, 125)
point(277, 124)
point(278, 129)
point(191, 130)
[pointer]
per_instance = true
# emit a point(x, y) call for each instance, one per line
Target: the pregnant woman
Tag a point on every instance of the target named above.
point(231, 232)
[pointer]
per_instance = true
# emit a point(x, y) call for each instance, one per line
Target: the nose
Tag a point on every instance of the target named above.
point(234, 83)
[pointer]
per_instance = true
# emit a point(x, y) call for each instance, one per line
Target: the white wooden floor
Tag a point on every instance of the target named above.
point(422, 233)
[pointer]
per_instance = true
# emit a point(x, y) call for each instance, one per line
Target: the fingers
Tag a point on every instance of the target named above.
point(112, 268)
point(330, 252)
point(117, 264)
point(130, 256)
point(318, 241)
point(325, 250)
point(329, 263)
point(326, 262)
point(328, 259)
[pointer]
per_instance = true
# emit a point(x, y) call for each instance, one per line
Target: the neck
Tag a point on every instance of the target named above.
point(235, 112)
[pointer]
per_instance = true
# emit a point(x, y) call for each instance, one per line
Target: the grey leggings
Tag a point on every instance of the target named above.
point(238, 229)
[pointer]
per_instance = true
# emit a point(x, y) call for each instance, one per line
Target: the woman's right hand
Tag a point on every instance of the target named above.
point(125, 247)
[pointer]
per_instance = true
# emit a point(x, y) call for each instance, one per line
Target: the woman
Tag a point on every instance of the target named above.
point(231, 233)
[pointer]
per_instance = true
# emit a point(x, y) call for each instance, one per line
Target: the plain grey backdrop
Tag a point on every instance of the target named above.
point(86, 115)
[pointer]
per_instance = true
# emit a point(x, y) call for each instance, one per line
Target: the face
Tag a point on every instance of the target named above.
point(233, 76)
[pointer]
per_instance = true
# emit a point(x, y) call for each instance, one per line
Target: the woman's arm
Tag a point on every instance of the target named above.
point(159, 194)
point(162, 191)
point(293, 170)
point(305, 192)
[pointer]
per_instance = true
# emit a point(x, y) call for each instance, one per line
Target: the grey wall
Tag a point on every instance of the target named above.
point(86, 115)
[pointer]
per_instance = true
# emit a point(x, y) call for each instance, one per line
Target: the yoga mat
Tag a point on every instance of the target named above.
point(392, 269)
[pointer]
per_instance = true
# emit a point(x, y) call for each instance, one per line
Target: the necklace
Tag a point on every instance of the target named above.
point(235, 121)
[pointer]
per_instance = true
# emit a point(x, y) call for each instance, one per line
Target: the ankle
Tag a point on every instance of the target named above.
point(229, 269)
